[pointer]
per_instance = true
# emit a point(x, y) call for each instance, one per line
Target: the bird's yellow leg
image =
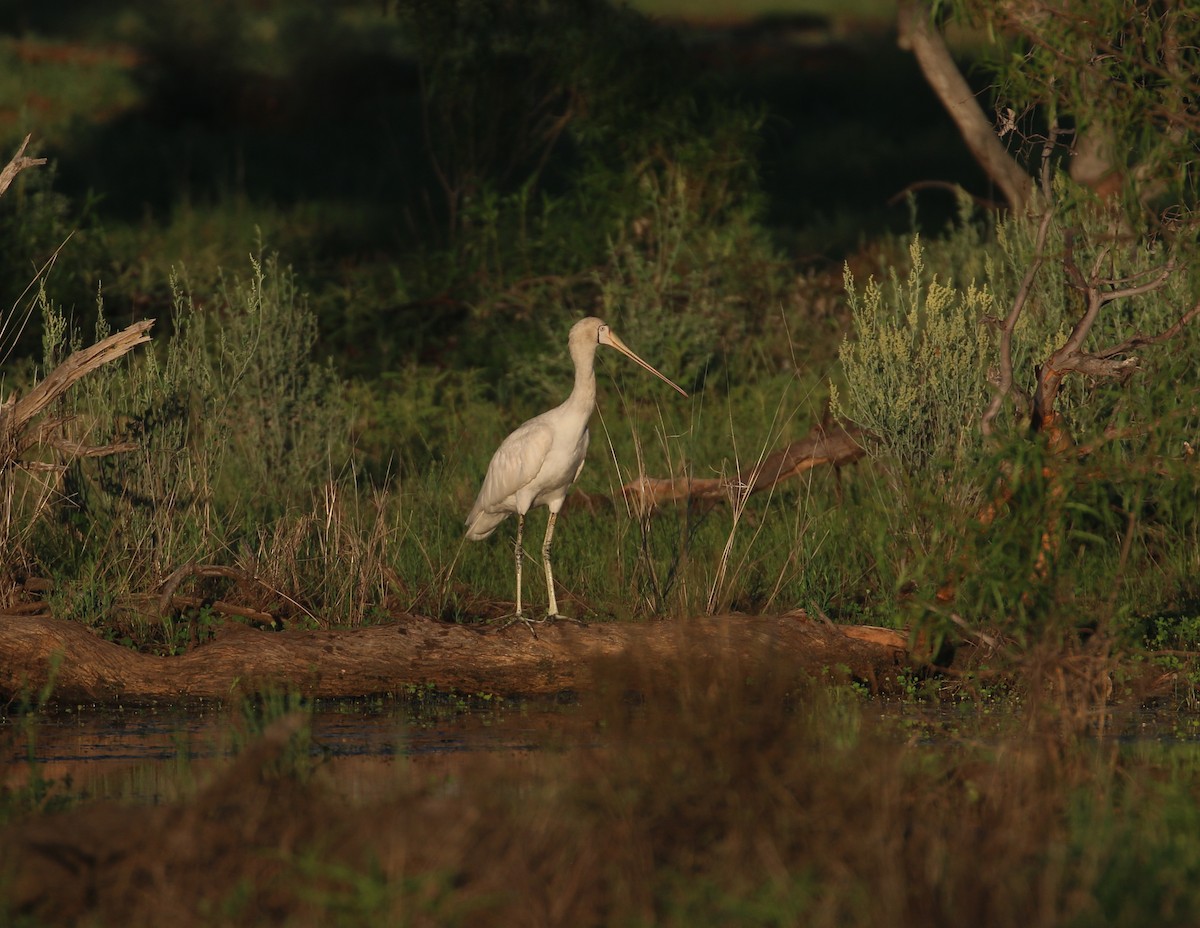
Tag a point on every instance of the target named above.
point(546, 561)
point(520, 553)
point(553, 613)
point(520, 531)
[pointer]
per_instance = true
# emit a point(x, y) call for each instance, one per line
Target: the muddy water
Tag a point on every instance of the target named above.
point(153, 756)
point(159, 755)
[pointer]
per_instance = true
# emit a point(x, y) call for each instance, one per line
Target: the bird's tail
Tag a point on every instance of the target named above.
point(481, 523)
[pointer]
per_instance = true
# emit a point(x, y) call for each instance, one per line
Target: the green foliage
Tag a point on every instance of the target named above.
point(515, 90)
point(411, 420)
point(1054, 306)
point(586, 167)
point(1173, 642)
point(1122, 73)
point(233, 423)
point(695, 272)
point(1138, 838)
point(1045, 545)
point(917, 368)
point(237, 393)
point(915, 371)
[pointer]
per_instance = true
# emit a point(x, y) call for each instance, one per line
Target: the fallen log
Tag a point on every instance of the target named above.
point(834, 444)
point(40, 654)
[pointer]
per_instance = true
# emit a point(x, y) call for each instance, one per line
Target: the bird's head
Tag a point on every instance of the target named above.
point(593, 331)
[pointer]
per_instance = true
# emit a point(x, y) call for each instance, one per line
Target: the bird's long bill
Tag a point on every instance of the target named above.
point(610, 339)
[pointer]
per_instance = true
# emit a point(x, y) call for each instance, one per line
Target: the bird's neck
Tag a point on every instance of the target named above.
point(583, 394)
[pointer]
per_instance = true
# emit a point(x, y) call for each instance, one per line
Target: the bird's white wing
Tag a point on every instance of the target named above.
point(582, 455)
point(515, 463)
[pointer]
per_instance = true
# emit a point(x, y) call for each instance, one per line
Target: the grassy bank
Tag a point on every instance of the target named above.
point(349, 324)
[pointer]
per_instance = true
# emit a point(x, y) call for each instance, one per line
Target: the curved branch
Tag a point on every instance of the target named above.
point(957, 189)
point(1139, 339)
point(79, 364)
point(204, 571)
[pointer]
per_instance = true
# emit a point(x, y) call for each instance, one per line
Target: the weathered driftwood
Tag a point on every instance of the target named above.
point(835, 444)
point(18, 163)
point(79, 364)
point(37, 651)
point(17, 414)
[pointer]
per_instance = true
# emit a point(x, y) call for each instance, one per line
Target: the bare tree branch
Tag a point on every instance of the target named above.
point(1136, 341)
point(79, 364)
point(1004, 381)
point(1071, 358)
point(17, 414)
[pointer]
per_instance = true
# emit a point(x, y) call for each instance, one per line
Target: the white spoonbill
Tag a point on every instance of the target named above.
point(536, 464)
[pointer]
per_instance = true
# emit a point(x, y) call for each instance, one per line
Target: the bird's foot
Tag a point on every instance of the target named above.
point(549, 618)
point(521, 617)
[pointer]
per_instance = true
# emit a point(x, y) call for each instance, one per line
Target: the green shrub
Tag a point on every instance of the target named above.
point(234, 424)
point(1044, 543)
point(915, 370)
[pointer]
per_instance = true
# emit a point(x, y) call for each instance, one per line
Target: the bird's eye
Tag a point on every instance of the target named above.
point(600, 332)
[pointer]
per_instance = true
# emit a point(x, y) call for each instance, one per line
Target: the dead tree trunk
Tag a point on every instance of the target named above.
point(942, 74)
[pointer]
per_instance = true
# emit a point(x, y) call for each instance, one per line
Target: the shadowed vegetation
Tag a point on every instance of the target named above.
point(364, 232)
point(714, 798)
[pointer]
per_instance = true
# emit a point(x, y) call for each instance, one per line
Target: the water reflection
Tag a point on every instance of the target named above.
point(155, 755)
point(159, 755)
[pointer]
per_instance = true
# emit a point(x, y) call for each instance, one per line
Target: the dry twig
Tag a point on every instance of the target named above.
point(203, 571)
